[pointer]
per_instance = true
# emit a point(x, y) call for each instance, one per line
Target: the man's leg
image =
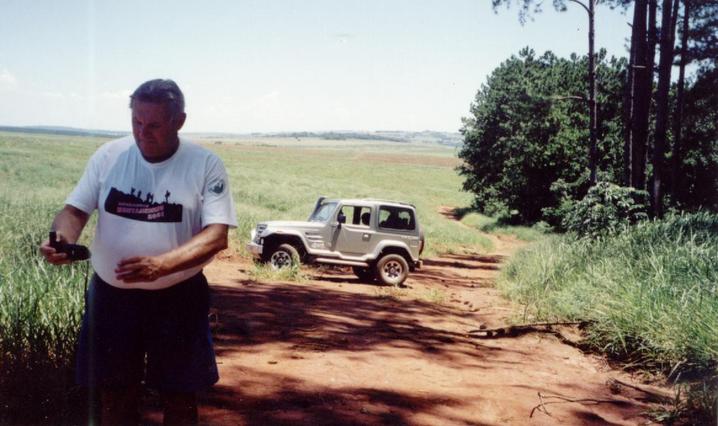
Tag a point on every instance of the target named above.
point(110, 357)
point(180, 408)
point(180, 357)
point(120, 406)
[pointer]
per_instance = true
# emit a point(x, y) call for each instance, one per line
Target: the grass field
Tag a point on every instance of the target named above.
point(41, 305)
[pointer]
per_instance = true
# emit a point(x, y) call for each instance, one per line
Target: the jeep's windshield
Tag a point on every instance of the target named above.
point(323, 212)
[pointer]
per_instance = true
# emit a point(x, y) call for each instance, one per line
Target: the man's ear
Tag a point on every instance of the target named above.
point(179, 120)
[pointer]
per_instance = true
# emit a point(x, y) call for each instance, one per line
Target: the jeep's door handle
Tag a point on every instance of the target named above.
point(365, 237)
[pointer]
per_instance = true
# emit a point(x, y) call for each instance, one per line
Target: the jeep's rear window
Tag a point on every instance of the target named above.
point(396, 218)
point(323, 212)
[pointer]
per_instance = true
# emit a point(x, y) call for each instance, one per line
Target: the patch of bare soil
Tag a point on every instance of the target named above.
point(336, 351)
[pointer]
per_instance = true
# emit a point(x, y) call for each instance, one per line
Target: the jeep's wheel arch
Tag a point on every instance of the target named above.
point(401, 251)
point(272, 242)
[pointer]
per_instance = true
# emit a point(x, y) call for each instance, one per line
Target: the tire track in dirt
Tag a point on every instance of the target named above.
point(335, 351)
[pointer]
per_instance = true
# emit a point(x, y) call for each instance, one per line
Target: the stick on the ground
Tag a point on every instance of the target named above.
point(515, 330)
point(563, 400)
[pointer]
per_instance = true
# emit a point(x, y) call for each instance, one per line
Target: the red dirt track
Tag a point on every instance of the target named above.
point(335, 351)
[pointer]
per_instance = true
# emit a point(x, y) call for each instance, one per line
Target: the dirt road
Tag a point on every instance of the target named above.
point(334, 351)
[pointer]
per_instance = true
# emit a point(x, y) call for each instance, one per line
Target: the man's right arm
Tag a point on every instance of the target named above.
point(68, 224)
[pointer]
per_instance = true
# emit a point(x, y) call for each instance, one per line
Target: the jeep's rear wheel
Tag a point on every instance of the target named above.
point(392, 269)
point(283, 256)
point(364, 274)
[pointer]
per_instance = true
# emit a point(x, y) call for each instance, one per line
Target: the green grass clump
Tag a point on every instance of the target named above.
point(265, 272)
point(651, 292)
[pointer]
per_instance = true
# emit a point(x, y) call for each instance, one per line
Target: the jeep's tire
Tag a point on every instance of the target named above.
point(364, 274)
point(284, 255)
point(392, 269)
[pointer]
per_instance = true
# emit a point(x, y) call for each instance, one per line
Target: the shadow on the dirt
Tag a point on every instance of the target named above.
point(311, 319)
point(467, 258)
point(322, 317)
point(459, 264)
point(293, 403)
point(450, 279)
point(325, 319)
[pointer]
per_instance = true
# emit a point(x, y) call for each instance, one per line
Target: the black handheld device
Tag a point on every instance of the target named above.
point(73, 251)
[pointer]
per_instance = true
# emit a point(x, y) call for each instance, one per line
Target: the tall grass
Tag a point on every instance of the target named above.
point(651, 293)
point(40, 311)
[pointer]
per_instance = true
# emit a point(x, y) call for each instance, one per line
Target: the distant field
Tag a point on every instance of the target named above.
point(271, 178)
point(415, 148)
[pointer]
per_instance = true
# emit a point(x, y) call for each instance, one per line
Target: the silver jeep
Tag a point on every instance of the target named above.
point(379, 239)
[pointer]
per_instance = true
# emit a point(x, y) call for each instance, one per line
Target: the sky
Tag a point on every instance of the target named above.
point(270, 65)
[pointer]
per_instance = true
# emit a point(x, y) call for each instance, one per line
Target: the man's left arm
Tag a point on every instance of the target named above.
point(198, 250)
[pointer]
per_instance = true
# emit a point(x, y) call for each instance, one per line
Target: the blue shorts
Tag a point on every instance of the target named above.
point(159, 336)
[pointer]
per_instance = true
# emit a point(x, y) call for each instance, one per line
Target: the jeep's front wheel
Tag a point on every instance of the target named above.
point(283, 256)
point(392, 269)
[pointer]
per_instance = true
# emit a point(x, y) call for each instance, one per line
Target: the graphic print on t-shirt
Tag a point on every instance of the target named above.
point(132, 206)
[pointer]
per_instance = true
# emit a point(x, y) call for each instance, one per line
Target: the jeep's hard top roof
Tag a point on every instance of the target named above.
point(367, 201)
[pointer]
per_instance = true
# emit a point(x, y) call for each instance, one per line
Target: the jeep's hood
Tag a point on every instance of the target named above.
point(280, 225)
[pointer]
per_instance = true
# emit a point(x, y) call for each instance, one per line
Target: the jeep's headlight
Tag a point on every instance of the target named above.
point(257, 233)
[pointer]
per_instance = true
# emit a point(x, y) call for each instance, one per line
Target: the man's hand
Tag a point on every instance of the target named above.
point(198, 250)
point(68, 224)
point(140, 268)
point(52, 255)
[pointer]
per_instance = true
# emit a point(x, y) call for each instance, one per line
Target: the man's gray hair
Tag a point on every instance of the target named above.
point(160, 91)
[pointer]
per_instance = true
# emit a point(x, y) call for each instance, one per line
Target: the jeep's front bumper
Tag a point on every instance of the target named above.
point(255, 249)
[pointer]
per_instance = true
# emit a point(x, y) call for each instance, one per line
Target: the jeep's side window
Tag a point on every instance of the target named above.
point(356, 215)
point(396, 218)
point(364, 216)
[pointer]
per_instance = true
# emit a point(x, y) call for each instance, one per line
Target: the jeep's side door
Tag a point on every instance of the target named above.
point(355, 237)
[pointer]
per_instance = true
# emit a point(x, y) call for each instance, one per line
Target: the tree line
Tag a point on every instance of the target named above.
point(542, 130)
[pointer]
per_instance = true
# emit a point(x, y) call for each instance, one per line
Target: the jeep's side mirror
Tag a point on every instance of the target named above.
point(341, 218)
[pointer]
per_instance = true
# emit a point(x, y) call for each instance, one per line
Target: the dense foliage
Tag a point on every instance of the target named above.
point(528, 129)
point(526, 140)
point(606, 209)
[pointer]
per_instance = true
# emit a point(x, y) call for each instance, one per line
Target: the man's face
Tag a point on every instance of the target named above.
point(155, 130)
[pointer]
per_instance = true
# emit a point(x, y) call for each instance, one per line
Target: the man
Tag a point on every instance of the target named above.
point(148, 302)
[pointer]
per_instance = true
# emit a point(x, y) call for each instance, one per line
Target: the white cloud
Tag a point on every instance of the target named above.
point(7, 79)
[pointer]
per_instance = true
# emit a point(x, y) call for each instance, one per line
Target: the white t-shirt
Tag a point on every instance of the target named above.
point(147, 209)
